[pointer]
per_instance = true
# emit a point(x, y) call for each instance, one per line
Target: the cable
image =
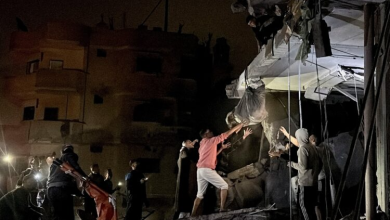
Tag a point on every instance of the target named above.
point(289, 128)
point(299, 92)
point(150, 14)
point(319, 98)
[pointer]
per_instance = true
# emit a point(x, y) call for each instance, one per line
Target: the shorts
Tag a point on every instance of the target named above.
point(206, 176)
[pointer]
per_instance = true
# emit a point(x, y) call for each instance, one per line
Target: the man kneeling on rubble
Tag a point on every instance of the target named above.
point(207, 162)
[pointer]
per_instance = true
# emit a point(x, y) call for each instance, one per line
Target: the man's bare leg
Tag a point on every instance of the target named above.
point(318, 213)
point(223, 199)
point(196, 207)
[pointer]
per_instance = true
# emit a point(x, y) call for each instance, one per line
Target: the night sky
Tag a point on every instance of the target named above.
point(198, 16)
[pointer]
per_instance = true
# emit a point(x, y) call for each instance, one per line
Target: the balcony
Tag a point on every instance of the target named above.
point(27, 87)
point(60, 80)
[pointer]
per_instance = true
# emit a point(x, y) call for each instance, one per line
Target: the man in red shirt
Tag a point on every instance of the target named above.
point(207, 162)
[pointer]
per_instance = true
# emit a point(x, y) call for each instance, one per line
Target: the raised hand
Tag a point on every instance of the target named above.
point(247, 132)
point(227, 145)
point(283, 130)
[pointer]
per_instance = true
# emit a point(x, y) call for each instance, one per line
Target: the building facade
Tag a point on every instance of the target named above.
point(113, 94)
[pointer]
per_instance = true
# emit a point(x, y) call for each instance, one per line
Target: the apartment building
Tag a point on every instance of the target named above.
point(113, 94)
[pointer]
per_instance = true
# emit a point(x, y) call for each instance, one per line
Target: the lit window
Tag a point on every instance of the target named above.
point(56, 64)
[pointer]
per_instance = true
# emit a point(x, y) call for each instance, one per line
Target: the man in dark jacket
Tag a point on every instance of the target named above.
point(33, 168)
point(98, 179)
point(18, 205)
point(136, 190)
point(62, 186)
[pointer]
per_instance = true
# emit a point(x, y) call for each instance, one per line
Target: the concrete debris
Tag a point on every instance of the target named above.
point(247, 214)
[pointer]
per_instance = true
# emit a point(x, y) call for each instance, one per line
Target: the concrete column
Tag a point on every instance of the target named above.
point(370, 187)
point(382, 122)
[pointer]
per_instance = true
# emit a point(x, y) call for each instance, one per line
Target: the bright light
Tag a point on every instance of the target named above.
point(7, 158)
point(37, 176)
point(119, 183)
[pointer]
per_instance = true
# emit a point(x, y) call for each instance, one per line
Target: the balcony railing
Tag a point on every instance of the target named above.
point(60, 80)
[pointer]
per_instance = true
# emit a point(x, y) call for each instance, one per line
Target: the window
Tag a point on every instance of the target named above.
point(32, 67)
point(145, 112)
point(28, 113)
point(149, 165)
point(97, 99)
point(51, 114)
point(101, 53)
point(56, 64)
point(149, 64)
point(96, 148)
point(188, 67)
point(154, 112)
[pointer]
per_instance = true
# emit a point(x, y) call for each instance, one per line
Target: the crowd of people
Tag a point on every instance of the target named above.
point(305, 159)
point(38, 198)
point(52, 197)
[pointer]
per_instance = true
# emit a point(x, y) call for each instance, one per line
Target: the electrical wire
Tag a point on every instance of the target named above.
point(319, 99)
point(289, 128)
point(299, 92)
point(150, 14)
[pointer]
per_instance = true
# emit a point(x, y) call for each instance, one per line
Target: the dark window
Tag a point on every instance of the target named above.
point(51, 114)
point(96, 148)
point(97, 99)
point(56, 64)
point(154, 112)
point(149, 65)
point(149, 165)
point(188, 67)
point(145, 112)
point(32, 66)
point(28, 113)
point(101, 53)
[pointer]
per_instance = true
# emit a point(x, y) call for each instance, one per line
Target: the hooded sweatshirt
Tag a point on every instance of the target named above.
point(309, 163)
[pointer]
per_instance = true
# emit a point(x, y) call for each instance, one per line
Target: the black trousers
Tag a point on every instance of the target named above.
point(90, 206)
point(62, 201)
point(307, 200)
point(134, 208)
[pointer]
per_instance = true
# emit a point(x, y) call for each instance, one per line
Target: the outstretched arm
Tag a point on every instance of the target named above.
point(236, 129)
point(291, 138)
